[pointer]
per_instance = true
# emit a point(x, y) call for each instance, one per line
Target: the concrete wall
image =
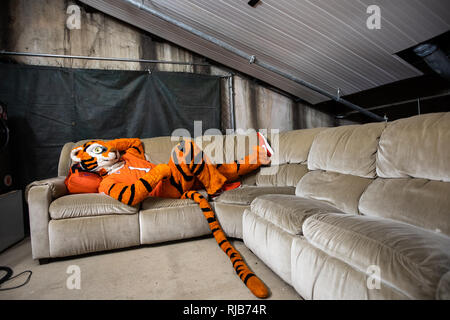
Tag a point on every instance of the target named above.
point(273, 110)
point(40, 26)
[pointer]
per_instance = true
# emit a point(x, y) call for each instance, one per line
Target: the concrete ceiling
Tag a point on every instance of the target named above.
point(326, 43)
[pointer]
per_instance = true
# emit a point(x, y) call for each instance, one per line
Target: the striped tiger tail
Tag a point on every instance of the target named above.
point(253, 283)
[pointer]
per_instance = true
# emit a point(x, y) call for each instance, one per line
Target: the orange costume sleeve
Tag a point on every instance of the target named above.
point(132, 186)
point(132, 145)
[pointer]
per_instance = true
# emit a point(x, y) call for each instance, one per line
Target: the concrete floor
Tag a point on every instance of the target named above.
point(193, 269)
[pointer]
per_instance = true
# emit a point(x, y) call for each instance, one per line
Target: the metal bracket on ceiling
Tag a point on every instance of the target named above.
point(252, 59)
point(338, 95)
point(253, 3)
point(138, 4)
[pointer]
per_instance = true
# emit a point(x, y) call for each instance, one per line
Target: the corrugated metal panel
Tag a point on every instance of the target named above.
point(325, 43)
point(163, 29)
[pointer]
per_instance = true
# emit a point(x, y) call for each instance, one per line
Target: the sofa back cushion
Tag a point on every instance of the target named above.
point(347, 150)
point(421, 202)
point(293, 146)
point(342, 163)
point(64, 159)
point(414, 169)
point(416, 147)
point(291, 149)
point(285, 175)
point(158, 150)
point(342, 191)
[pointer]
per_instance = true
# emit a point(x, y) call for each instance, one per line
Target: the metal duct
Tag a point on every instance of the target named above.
point(435, 58)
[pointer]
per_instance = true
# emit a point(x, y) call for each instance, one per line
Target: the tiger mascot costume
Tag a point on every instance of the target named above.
point(127, 176)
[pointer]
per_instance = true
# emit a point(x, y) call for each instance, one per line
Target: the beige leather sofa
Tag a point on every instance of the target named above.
point(353, 212)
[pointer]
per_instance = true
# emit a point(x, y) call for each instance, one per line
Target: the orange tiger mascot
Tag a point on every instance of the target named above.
point(128, 177)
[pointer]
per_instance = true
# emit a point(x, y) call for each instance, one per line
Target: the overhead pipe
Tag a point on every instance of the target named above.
point(252, 59)
point(63, 56)
point(400, 103)
point(231, 101)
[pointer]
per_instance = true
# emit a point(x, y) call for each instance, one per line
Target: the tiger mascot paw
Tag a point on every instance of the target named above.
point(163, 170)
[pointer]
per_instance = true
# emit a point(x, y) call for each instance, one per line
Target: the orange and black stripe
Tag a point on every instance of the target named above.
point(132, 194)
point(255, 285)
point(90, 163)
point(186, 155)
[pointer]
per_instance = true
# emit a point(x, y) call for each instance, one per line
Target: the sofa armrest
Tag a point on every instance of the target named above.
point(57, 187)
point(39, 195)
point(39, 199)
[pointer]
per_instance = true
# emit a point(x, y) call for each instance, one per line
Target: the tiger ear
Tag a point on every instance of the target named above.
point(74, 154)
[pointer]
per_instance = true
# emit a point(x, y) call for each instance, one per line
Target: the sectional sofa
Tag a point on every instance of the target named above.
point(352, 212)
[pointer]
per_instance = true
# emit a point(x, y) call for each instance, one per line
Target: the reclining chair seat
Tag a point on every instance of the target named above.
point(411, 260)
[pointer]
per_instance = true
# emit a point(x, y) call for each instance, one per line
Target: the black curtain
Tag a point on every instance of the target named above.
point(49, 106)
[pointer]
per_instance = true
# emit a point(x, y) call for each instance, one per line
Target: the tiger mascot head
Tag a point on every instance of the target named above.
point(95, 156)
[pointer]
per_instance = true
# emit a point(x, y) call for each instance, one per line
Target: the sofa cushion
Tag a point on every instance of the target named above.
point(269, 243)
point(316, 275)
point(293, 146)
point(230, 217)
point(64, 159)
point(91, 234)
point(158, 150)
point(285, 175)
point(213, 147)
point(416, 147)
point(245, 195)
point(174, 222)
point(242, 144)
point(342, 191)
point(347, 149)
point(87, 205)
point(410, 259)
point(157, 202)
point(288, 212)
point(420, 202)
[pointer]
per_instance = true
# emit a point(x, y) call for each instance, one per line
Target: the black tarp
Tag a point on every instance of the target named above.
point(49, 106)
